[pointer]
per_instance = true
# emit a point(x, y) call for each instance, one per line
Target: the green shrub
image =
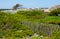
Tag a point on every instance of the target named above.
point(56, 35)
point(31, 13)
point(12, 24)
point(1, 34)
point(55, 12)
point(19, 33)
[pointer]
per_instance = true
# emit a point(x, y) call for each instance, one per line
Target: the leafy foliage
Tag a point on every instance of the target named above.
point(26, 23)
point(55, 12)
point(56, 35)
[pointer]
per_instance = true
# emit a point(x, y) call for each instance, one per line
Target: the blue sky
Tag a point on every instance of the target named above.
point(29, 3)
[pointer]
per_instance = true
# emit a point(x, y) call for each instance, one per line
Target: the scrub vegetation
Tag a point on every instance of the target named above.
point(33, 24)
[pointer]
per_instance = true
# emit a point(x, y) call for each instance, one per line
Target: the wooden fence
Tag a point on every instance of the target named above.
point(42, 27)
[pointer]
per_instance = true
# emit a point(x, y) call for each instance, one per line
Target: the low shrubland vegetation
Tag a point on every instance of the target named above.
point(24, 24)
